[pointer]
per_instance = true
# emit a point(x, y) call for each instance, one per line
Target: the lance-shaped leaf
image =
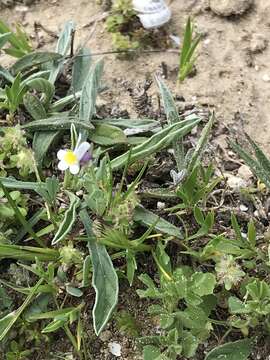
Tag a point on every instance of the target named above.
point(69, 219)
point(148, 218)
point(62, 48)
point(80, 69)
point(172, 117)
point(155, 143)
point(9, 320)
point(198, 152)
point(34, 59)
point(90, 92)
point(56, 123)
point(104, 280)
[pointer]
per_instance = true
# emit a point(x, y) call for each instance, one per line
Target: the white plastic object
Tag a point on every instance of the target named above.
point(152, 13)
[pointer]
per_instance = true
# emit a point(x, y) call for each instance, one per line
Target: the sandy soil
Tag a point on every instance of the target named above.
point(233, 70)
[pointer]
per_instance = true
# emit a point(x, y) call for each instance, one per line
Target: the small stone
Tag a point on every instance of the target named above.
point(115, 349)
point(245, 173)
point(258, 43)
point(105, 335)
point(256, 213)
point(21, 9)
point(243, 207)
point(230, 7)
point(266, 78)
point(161, 205)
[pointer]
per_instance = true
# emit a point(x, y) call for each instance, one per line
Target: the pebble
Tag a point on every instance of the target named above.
point(115, 349)
point(161, 205)
point(245, 173)
point(266, 78)
point(256, 213)
point(243, 207)
point(230, 7)
point(258, 43)
point(105, 335)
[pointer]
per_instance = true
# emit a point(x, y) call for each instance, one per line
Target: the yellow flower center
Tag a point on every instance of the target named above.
point(70, 158)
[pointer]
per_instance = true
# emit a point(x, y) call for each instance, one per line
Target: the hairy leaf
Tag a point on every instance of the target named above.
point(104, 280)
point(238, 350)
point(34, 59)
point(69, 219)
point(148, 218)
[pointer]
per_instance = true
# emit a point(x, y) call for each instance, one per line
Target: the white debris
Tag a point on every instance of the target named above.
point(161, 205)
point(115, 349)
point(243, 207)
point(175, 39)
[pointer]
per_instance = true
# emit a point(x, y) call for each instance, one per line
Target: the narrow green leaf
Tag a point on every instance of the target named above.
point(80, 69)
point(90, 91)
point(186, 42)
point(51, 314)
point(34, 59)
point(148, 218)
point(9, 320)
point(12, 183)
point(251, 233)
point(87, 267)
point(53, 326)
point(104, 280)
point(69, 219)
point(56, 123)
point(261, 157)
point(19, 216)
point(198, 152)
point(62, 48)
point(168, 103)
point(67, 100)
point(27, 253)
point(236, 227)
point(156, 142)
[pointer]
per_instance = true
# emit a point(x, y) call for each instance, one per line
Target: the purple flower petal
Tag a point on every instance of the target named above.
point(86, 158)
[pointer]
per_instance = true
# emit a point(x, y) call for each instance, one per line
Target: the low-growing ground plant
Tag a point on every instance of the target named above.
point(78, 222)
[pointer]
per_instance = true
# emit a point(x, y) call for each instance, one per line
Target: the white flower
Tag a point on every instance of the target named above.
point(70, 159)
